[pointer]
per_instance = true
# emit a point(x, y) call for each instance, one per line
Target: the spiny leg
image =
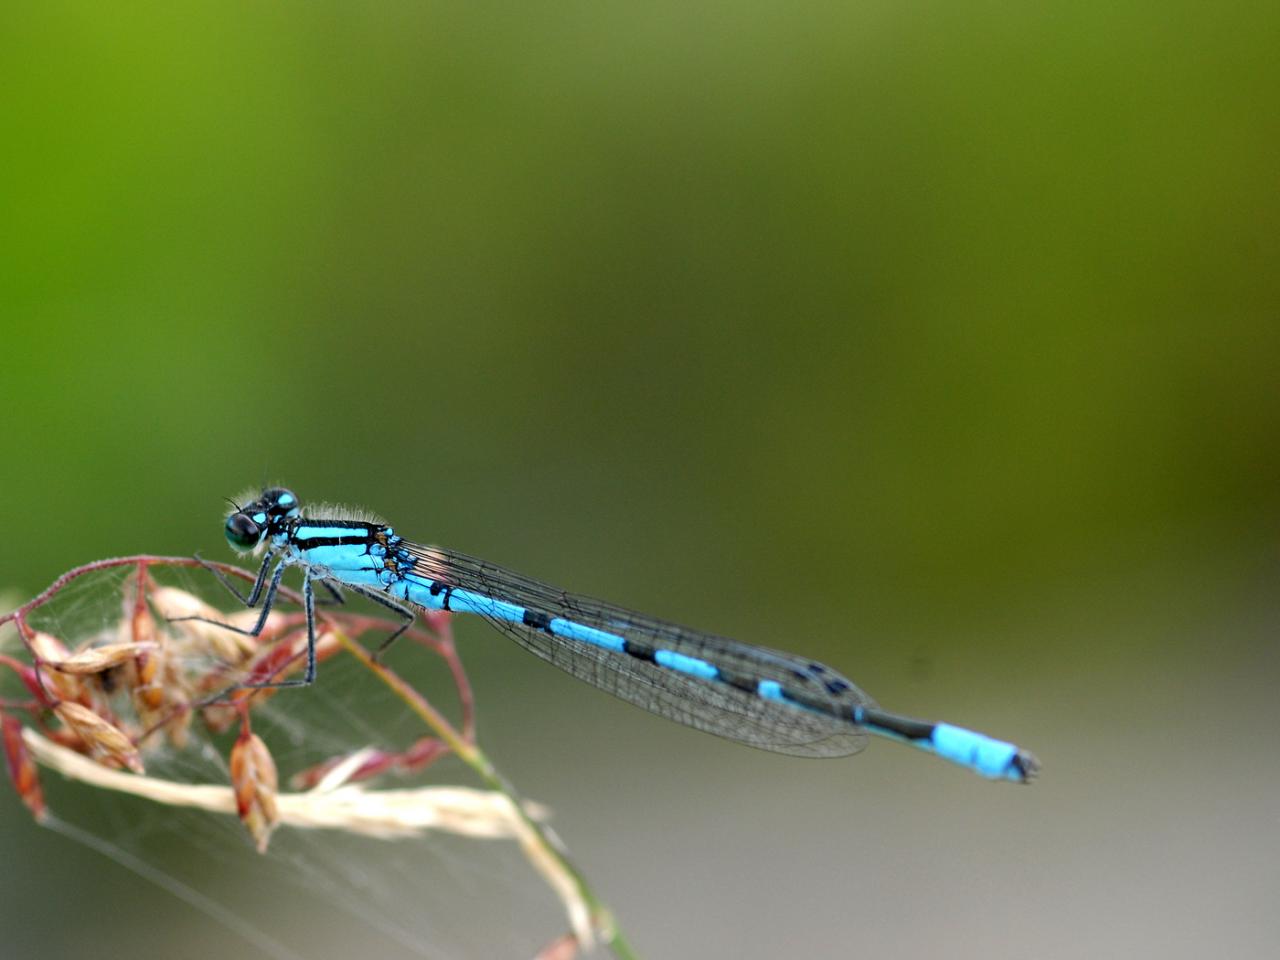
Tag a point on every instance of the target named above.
point(384, 600)
point(268, 602)
point(308, 678)
point(335, 595)
point(252, 599)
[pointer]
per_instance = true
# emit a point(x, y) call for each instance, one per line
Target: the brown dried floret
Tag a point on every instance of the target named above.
point(48, 650)
point(99, 659)
point(255, 782)
point(22, 768)
point(105, 741)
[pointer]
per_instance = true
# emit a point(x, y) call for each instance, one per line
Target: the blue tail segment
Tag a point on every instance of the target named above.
point(768, 699)
point(991, 758)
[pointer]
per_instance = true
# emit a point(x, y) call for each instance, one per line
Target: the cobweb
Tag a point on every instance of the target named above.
point(475, 882)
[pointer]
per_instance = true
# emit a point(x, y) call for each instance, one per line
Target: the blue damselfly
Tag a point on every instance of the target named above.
point(765, 698)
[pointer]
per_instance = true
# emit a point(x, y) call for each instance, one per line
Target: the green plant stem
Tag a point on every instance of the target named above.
point(475, 758)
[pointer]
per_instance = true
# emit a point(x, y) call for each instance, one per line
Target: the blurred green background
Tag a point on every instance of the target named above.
point(938, 342)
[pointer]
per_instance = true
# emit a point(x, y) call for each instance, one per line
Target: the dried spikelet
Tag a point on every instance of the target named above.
point(254, 780)
point(45, 645)
point(148, 695)
point(142, 625)
point(160, 690)
point(177, 690)
point(104, 740)
point(22, 768)
point(99, 659)
point(200, 638)
point(48, 649)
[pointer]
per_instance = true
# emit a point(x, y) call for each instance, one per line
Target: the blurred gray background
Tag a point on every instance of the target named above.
point(938, 343)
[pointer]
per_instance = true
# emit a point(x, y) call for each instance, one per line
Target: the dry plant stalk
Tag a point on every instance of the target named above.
point(132, 689)
point(384, 814)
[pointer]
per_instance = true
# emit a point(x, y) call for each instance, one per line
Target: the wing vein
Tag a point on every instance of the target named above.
point(710, 705)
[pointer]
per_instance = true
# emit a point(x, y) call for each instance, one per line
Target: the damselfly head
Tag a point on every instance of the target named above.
point(249, 526)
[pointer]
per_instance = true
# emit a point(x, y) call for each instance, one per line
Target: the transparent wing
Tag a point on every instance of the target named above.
point(710, 705)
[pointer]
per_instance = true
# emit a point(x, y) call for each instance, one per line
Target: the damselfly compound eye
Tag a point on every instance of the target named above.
point(242, 532)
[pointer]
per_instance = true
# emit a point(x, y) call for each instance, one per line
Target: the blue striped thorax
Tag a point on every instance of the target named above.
point(354, 551)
